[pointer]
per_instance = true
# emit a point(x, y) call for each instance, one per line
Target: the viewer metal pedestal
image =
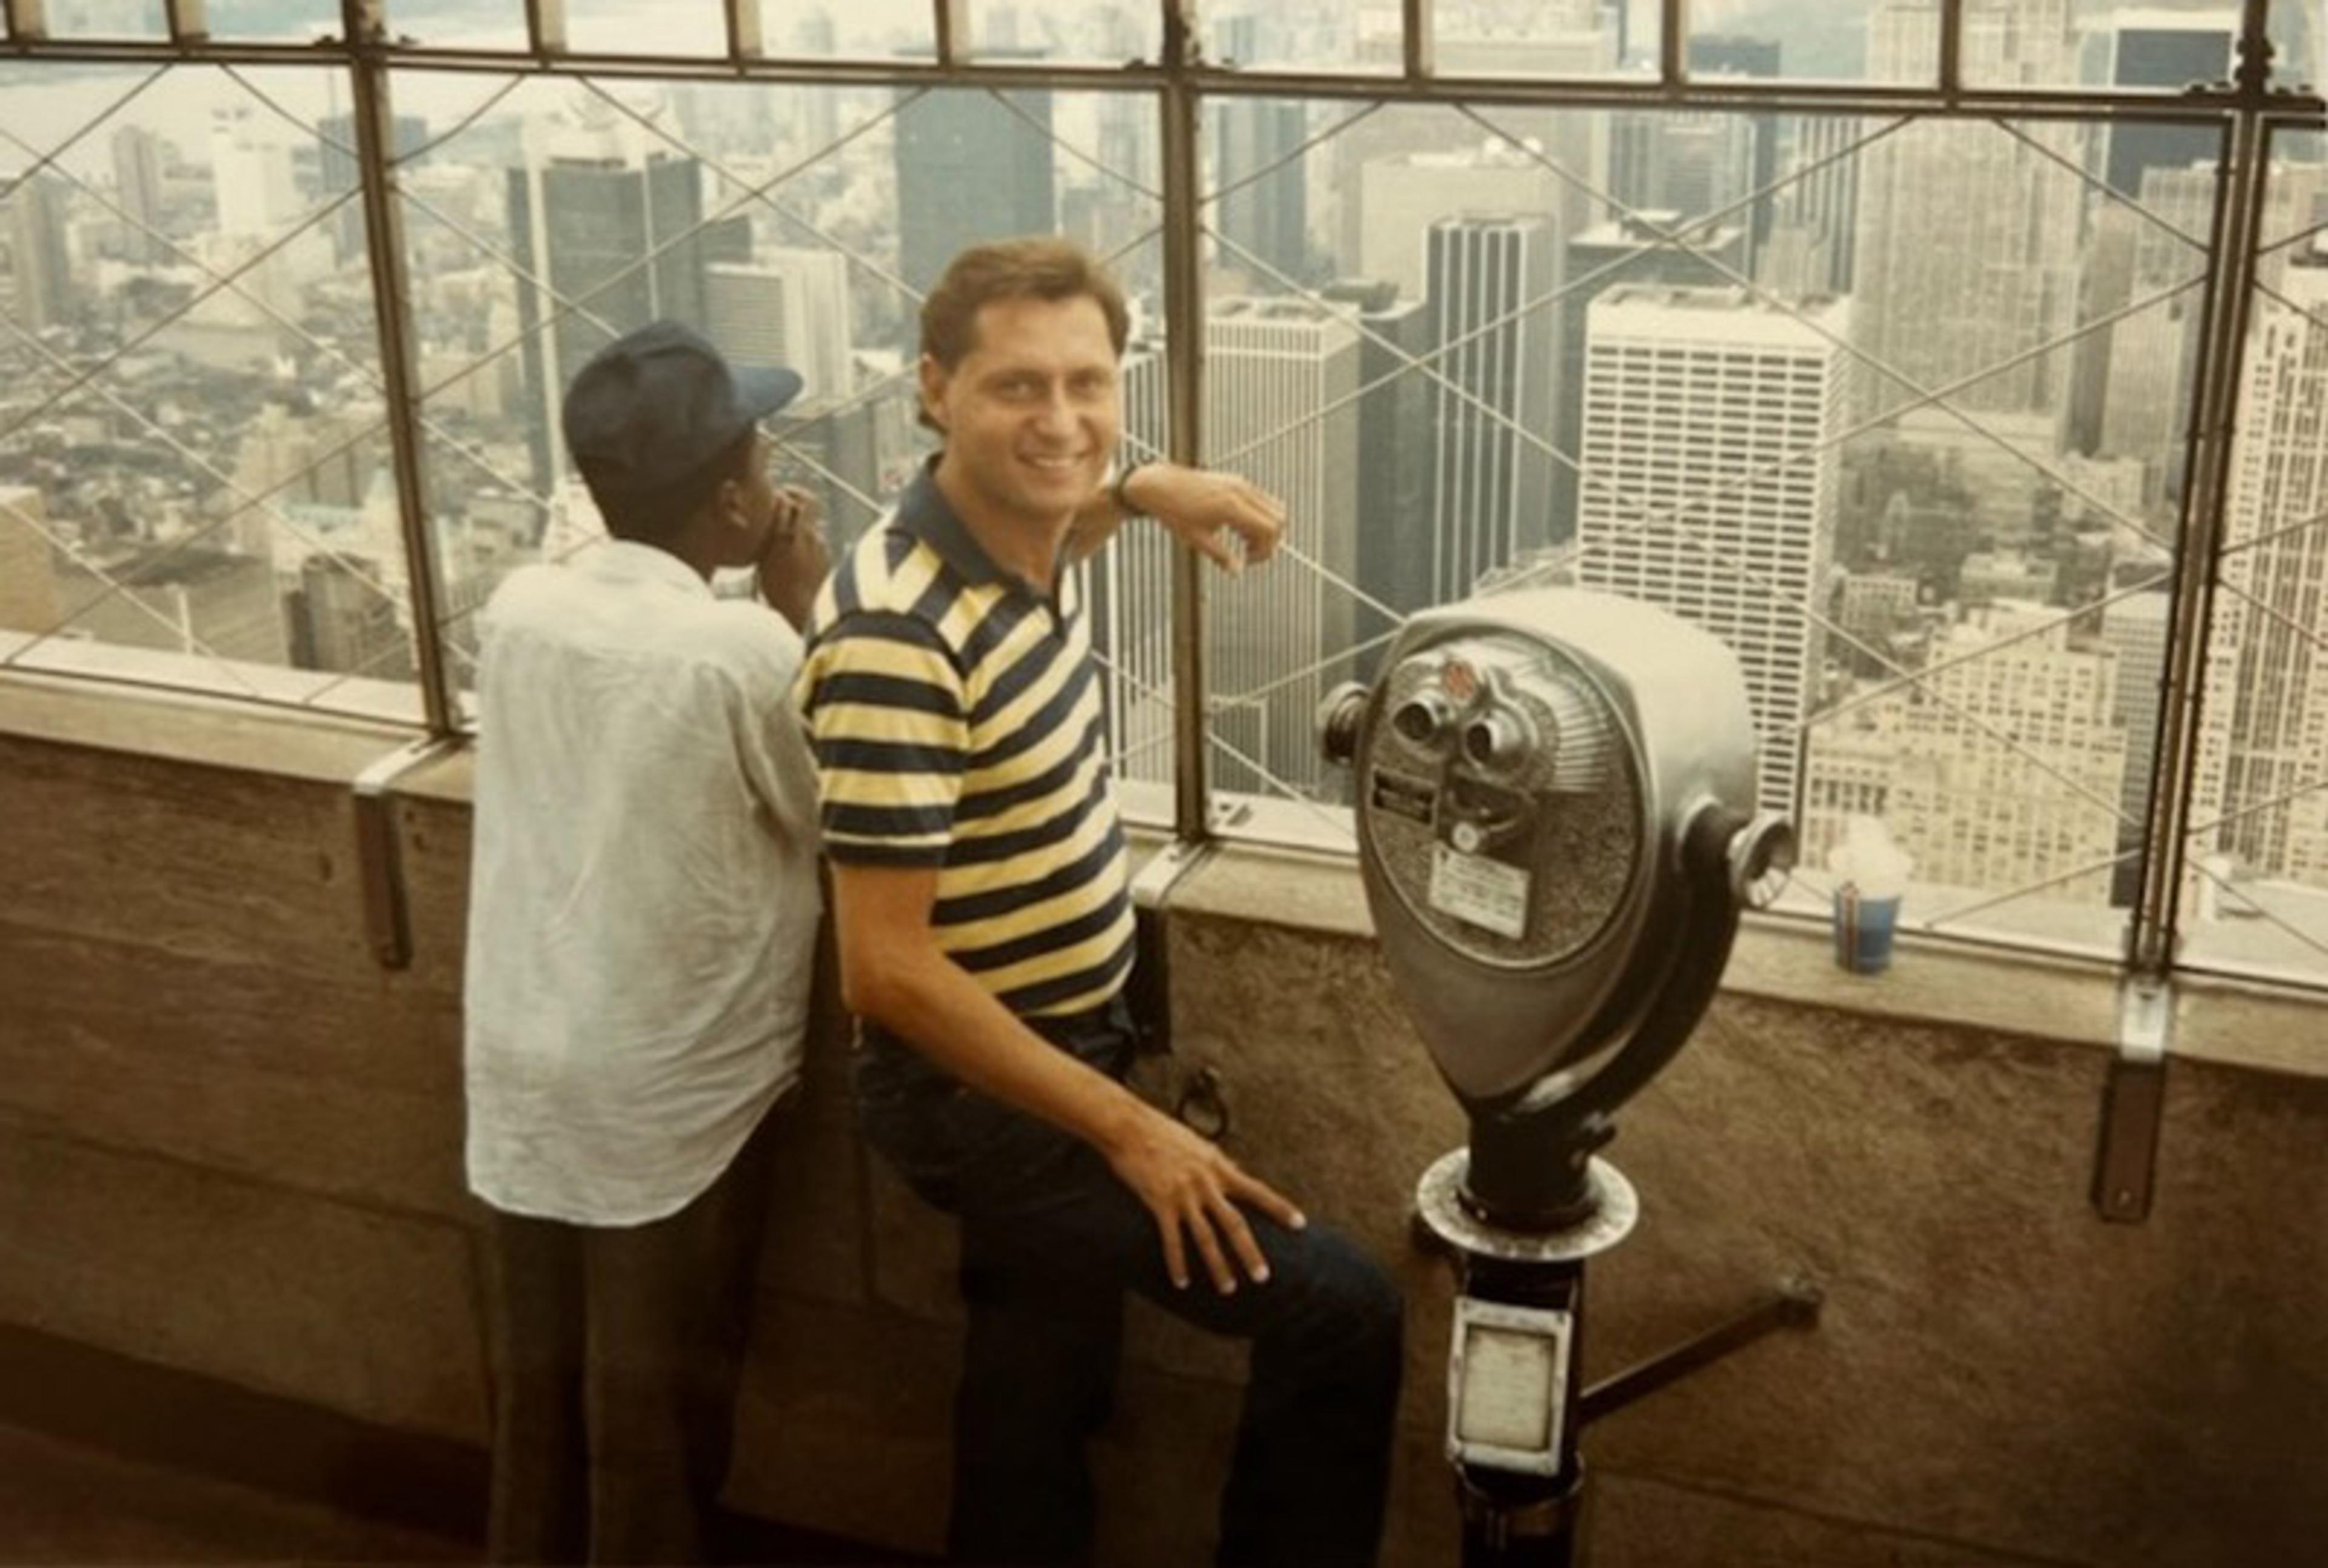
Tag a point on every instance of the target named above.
point(1516, 1404)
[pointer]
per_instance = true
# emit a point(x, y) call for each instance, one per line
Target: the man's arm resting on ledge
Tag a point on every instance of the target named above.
point(893, 973)
point(1195, 505)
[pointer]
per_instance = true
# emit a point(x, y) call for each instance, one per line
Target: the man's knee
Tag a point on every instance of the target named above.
point(1351, 1300)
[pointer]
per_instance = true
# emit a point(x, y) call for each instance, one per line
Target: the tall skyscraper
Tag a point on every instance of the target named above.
point(336, 170)
point(1710, 416)
point(2137, 49)
point(2274, 575)
point(591, 199)
point(1266, 214)
point(1129, 585)
point(1397, 450)
point(251, 172)
point(39, 257)
point(339, 619)
point(137, 187)
point(2134, 629)
point(1399, 198)
point(1492, 414)
point(789, 306)
point(1966, 253)
point(1610, 256)
point(970, 170)
point(1816, 217)
point(2169, 50)
point(1278, 377)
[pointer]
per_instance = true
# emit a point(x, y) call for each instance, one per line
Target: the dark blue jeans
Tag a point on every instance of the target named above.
point(1050, 1241)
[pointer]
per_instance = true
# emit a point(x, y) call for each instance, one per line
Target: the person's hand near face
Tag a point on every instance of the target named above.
point(794, 556)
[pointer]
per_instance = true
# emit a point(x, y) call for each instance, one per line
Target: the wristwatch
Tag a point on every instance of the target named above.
point(1119, 495)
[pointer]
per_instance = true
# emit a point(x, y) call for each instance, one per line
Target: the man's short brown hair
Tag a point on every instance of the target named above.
point(1040, 267)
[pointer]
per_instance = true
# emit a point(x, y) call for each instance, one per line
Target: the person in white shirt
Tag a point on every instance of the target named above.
point(643, 919)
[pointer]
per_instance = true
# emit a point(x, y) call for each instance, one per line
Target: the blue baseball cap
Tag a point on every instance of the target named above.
point(651, 412)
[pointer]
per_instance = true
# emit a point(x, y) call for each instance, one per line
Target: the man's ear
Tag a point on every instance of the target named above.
point(932, 387)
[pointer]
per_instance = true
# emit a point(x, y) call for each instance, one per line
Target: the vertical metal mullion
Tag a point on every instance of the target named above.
point(1419, 40)
point(189, 20)
point(950, 26)
point(545, 27)
point(1672, 34)
point(745, 40)
point(1184, 364)
point(375, 128)
point(2241, 188)
point(28, 21)
point(1951, 48)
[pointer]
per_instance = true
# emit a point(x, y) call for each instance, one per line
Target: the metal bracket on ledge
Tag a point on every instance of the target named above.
point(2133, 1100)
point(1149, 990)
point(381, 862)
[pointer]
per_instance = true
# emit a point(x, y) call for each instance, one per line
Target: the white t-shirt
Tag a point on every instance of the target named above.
point(643, 900)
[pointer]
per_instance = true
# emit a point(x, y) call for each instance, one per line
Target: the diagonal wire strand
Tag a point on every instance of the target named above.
point(1890, 373)
point(234, 487)
point(1001, 97)
point(165, 322)
point(1222, 192)
point(48, 158)
point(87, 563)
point(756, 191)
point(1859, 700)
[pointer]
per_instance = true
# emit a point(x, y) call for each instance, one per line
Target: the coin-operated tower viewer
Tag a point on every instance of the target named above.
point(1554, 796)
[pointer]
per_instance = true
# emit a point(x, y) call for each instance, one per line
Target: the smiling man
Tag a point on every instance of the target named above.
point(981, 899)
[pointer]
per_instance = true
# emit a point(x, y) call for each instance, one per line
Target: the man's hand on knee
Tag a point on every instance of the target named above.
point(1193, 1189)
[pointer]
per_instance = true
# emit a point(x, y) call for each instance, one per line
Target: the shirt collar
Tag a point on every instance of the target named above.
point(926, 513)
point(626, 561)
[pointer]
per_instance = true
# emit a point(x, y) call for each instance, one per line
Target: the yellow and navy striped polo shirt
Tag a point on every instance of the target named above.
point(956, 719)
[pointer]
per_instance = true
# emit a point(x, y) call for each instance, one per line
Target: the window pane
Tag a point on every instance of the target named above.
point(646, 27)
point(197, 481)
point(870, 30)
point(1067, 31)
point(1338, 35)
point(1812, 40)
point(2299, 40)
point(107, 19)
point(1529, 38)
point(296, 20)
point(2257, 893)
point(460, 24)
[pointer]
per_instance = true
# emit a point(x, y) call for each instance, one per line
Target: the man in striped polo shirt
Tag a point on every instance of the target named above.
point(980, 892)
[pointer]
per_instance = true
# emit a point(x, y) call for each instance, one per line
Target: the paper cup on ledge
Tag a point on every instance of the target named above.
point(1871, 873)
point(1863, 928)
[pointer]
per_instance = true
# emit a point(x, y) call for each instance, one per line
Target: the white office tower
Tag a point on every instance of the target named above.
point(785, 308)
point(251, 172)
point(1967, 252)
point(1710, 420)
point(1493, 407)
point(1281, 380)
point(1128, 587)
point(2001, 770)
point(2134, 629)
point(2273, 602)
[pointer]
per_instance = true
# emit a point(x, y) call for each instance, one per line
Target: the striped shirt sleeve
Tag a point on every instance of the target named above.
point(887, 720)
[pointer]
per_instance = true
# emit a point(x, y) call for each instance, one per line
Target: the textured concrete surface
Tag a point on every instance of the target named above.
point(361, 1312)
point(60, 1504)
